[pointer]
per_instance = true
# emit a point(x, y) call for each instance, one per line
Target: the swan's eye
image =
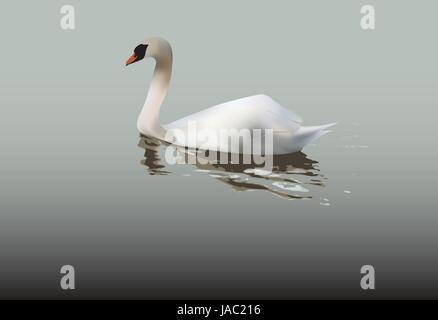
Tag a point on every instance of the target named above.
point(140, 51)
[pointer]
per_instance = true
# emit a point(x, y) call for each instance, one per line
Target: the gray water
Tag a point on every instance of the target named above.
point(79, 186)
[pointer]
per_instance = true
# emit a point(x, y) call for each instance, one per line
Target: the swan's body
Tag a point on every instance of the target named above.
point(254, 112)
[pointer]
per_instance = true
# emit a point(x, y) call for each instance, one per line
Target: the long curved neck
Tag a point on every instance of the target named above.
point(148, 121)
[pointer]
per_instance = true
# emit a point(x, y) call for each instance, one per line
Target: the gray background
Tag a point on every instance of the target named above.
point(73, 189)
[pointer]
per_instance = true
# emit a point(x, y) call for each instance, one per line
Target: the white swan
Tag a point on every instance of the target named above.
point(254, 112)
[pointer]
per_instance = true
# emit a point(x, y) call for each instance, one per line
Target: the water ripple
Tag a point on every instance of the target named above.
point(293, 176)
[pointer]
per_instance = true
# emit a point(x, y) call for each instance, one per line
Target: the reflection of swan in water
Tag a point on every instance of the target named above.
point(152, 159)
point(291, 177)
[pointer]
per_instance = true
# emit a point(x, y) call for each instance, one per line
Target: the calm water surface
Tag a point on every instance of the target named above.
point(78, 186)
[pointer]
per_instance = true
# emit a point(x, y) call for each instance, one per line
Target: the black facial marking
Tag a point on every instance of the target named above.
point(140, 51)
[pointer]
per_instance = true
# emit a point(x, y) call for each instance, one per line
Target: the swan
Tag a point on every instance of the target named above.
point(258, 112)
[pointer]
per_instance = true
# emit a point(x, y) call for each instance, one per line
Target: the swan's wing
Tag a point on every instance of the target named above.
point(255, 112)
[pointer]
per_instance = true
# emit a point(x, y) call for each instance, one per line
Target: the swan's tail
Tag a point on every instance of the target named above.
point(305, 135)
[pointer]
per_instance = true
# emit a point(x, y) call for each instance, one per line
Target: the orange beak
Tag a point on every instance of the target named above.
point(131, 59)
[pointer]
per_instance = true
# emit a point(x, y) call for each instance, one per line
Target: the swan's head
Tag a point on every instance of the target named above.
point(139, 54)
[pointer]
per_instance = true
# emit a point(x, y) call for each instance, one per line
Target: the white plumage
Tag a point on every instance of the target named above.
point(254, 112)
